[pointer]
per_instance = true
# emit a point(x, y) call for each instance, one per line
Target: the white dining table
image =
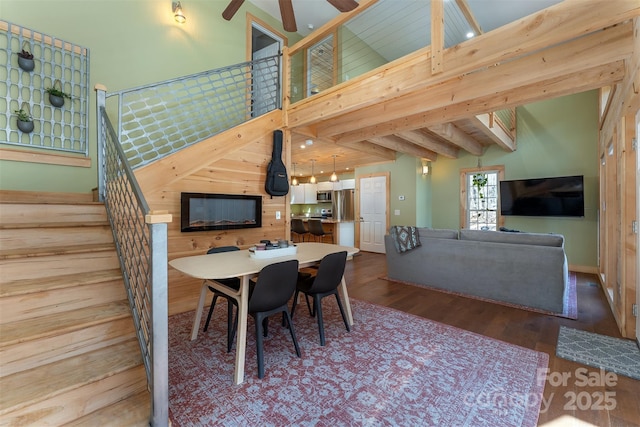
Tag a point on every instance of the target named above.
point(240, 264)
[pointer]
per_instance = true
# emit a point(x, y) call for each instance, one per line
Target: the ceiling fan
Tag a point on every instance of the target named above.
point(286, 11)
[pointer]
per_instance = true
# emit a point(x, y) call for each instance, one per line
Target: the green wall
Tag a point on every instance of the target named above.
point(131, 43)
point(554, 138)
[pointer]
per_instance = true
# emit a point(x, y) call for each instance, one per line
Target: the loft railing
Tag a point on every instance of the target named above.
point(361, 41)
point(161, 118)
point(141, 242)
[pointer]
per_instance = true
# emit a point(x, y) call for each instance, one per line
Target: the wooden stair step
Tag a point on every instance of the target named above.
point(20, 213)
point(17, 239)
point(54, 250)
point(53, 266)
point(40, 225)
point(58, 323)
point(17, 196)
point(27, 355)
point(27, 388)
point(29, 286)
point(134, 411)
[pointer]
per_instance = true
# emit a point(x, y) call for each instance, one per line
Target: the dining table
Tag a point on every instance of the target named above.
point(245, 265)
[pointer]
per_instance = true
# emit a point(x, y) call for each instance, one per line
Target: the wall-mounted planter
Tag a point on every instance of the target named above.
point(56, 101)
point(26, 127)
point(56, 95)
point(26, 64)
point(25, 58)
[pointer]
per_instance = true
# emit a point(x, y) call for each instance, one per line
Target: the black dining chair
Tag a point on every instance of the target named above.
point(298, 228)
point(233, 283)
point(323, 284)
point(275, 285)
point(316, 229)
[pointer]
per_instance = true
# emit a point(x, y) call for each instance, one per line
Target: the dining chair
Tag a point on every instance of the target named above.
point(323, 284)
point(316, 229)
point(298, 228)
point(275, 285)
point(233, 283)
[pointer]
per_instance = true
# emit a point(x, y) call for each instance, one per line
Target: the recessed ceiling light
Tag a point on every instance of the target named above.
point(470, 34)
point(303, 146)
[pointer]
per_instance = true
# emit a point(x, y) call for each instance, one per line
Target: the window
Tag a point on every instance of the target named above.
point(320, 66)
point(480, 198)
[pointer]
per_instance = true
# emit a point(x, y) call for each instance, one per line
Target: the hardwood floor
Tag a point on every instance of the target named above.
point(523, 328)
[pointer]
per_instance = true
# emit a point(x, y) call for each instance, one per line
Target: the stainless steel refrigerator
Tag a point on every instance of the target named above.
point(343, 205)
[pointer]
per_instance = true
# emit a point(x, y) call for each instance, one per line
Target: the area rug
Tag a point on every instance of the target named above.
point(569, 301)
point(393, 369)
point(599, 351)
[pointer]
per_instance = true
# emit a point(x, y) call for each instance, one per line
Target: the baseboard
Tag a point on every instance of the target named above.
point(583, 269)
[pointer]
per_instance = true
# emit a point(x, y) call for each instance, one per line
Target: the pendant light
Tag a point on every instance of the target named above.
point(312, 180)
point(294, 181)
point(334, 177)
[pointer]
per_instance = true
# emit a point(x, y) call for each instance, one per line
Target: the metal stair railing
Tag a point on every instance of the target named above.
point(140, 236)
point(159, 119)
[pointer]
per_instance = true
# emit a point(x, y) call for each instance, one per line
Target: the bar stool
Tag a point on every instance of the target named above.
point(316, 229)
point(298, 228)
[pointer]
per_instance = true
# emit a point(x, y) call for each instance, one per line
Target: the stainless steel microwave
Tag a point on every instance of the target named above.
point(323, 196)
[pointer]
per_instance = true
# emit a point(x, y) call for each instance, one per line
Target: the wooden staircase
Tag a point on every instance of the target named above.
point(68, 351)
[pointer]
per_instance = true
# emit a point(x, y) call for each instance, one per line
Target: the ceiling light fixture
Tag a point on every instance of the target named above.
point(334, 177)
point(425, 169)
point(294, 181)
point(312, 180)
point(178, 14)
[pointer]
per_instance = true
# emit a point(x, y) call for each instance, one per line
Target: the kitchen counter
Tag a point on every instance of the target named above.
point(324, 220)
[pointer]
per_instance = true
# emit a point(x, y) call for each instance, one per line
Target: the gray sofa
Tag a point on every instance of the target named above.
point(526, 269)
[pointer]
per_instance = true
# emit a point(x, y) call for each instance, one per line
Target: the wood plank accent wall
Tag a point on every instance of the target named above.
point(233, 162)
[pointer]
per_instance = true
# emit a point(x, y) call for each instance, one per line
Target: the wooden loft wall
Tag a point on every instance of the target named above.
point(233, 162)
point(618, 257)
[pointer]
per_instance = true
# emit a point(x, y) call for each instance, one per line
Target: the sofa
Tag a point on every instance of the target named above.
point(525, 269)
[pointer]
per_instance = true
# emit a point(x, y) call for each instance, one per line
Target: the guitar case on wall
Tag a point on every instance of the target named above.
point(277, 183)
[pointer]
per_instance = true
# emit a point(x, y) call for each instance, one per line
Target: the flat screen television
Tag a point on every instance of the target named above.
point(561, 196)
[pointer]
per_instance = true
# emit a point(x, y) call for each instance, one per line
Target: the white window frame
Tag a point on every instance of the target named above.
point(472, 204)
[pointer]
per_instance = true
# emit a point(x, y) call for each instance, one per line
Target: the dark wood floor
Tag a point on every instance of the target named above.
point(520, 327)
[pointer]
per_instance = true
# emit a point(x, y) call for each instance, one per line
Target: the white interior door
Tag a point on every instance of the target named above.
point(373, 213)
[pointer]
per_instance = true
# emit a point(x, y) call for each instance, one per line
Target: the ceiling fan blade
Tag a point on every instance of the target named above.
point(344, 5)
point(288, 18)
point(231, 9)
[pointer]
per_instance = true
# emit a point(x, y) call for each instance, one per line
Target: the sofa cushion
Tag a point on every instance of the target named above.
point(538, 239)
point(430, 233)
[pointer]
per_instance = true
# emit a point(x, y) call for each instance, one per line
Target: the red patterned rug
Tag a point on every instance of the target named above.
point(393, 368)
point(569, 302)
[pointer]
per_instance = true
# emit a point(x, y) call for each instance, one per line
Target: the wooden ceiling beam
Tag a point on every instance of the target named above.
point(454, 135)
point(552, 88)
point(599, 48)
point(471, 19)
point(397, 144)
point(495, 133)
point(565, 21)
point(371, 148)
point(426, 141)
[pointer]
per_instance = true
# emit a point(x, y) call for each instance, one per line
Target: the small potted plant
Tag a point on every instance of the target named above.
point(480, 181)
point(25, 120)
point(56, 95)
point(25, 60)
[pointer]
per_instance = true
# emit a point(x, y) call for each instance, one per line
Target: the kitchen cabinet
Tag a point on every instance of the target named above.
point(325, 186)
point(348, 184)
point(345, 233)
point(297, 194)
point(310, 191)
point(303, 194)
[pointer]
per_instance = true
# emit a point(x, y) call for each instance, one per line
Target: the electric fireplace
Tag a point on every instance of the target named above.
point(201, 211)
